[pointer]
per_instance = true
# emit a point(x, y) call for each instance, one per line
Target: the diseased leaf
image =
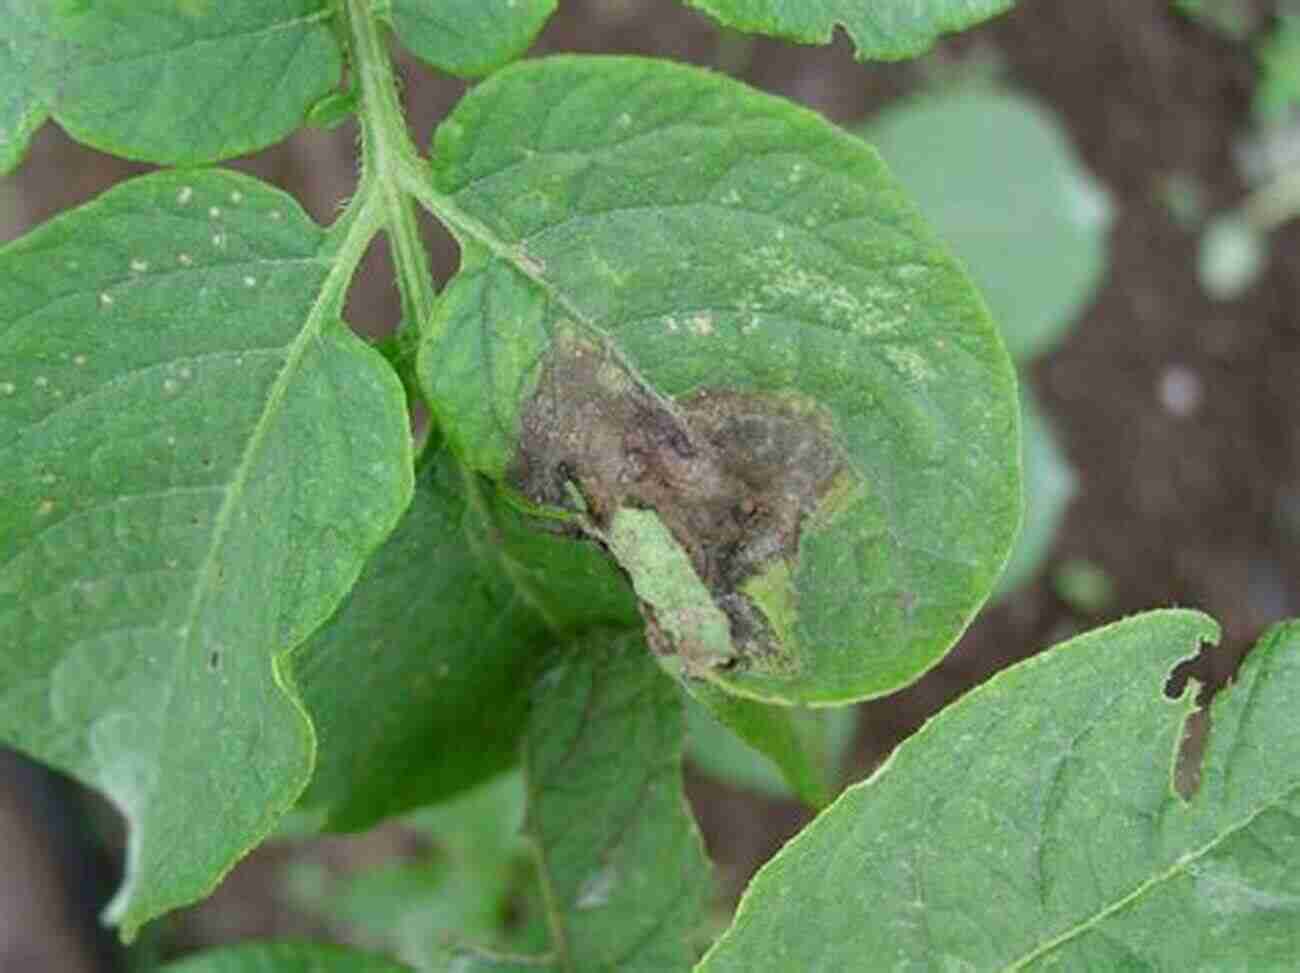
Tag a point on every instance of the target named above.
point(196, 458)
point(881, 30)
point(445, 629)
point(623, 871)
point(284, 958)
point(1034, 825)
point(682, 296)
point(28, 75)
point(190, 81)
point(469, 37)
point(1028, 220)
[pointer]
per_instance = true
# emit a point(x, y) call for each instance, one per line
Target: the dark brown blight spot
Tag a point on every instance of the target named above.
point(733, 475)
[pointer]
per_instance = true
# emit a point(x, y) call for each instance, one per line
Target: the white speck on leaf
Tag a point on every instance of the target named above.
point(139, 266)
point(79, 360)
point(42, 381)
point(218, 240)
point(185, 195)
point(276, 215)
point(214, 212)
point(105, 298)
point(184, 259)
point(8, 388)
point(46, 508)
point(596, 889)
point(170, 385)
point(250, 281)
point(236, 197)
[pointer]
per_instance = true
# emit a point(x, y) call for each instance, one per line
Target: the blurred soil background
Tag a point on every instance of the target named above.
point(1180, 413)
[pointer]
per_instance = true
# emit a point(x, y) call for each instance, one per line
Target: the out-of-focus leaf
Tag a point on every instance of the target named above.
point(996, 174)
point(1232, 256)
point(1049, 485)
point(284, 958)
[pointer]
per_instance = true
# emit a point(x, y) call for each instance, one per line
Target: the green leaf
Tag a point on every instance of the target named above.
point(190, 81)
point(439, 642)
point(28, 76)
point(469, 38)
point(196, 457)
point(1050, 484)
point(623, 871)
point(1278, 94)
point(881, 30)
point(284, 958)
point(465, 887)
point(1020, 210)
point(681, 295)
point(775, 749)
point(1034, 825)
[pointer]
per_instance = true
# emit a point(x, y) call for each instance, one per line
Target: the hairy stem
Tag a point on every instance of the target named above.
point(386, 149)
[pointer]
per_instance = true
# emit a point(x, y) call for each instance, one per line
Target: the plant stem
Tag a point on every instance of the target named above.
point(386, 149)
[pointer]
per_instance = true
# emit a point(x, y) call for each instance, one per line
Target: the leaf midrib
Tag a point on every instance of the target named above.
point(1175, 870)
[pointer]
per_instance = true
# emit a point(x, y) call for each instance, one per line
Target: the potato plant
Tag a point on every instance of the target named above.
point(714, 415)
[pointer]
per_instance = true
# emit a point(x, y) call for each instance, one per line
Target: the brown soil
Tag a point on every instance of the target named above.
point(1196, 507)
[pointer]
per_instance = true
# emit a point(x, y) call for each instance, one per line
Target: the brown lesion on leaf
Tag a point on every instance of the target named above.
point(734, 475)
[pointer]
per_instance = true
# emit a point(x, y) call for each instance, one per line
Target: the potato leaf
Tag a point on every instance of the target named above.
point(1028, 220)
point(881, 30)
point(445, 628)
point(1034, 825)
point(468, 37)
point(190, 81)
point(622, 868)
point(196, 458)
point(28, 75)
point(682, 296)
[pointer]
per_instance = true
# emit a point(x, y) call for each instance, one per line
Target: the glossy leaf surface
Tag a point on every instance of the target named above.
point(196, 458)
point(190, 81)
point(881, 30)
point(1034, 825)
point(28, 76)
point(447, 626)
point(469, 37)
point(675, 282)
